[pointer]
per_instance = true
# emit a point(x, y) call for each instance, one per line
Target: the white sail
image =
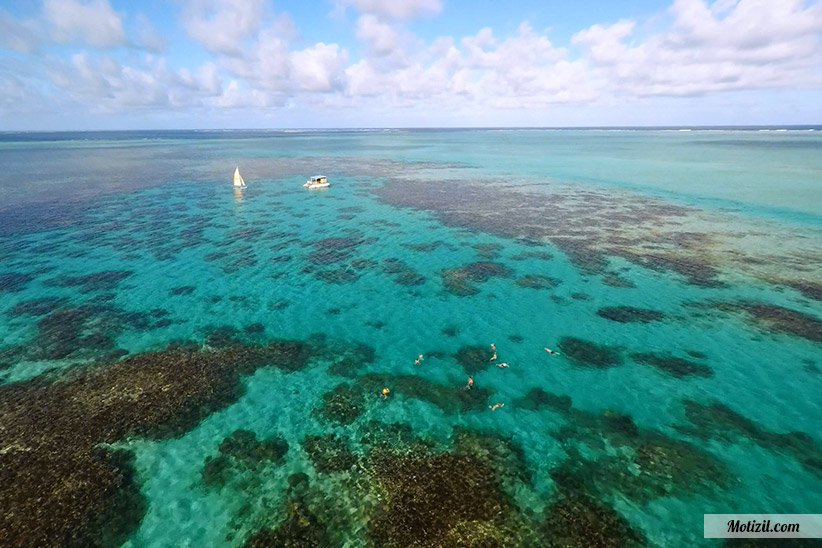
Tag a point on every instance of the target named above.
point(238, 179)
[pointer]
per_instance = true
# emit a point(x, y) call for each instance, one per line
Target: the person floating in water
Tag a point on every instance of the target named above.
point(503, 364)
point(493, 347)
point(496, 406)
point(551, 351)
point(470, 383)
point(494, 357)
point(385, 392)
point(418, 360)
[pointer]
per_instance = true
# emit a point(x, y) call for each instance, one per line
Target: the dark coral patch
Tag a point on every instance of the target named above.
point(811, 290)
point(11, 282)
point(450, 330)
point(98, 281)
point(329, 453)
point(429, 246)
point(781, 319)
point(450, 399)
point(242, 451)
point(402, 273)
point(82, 330)
point(300, 529)
point(474, 359)
point(254, 329)
point(590, 354)
point(343, 404)
point(615, 280)
point(324, 257)
point(58, 484)
point(579, 521)
point(439, 501)
point(502, 453)
point(488, 251)
point(672, 365)
point(353, 359)
point(182, 290)
point(717, 421)
point(541, 255)
point(460, 281)
point(538, 281)
point(37, 307)
point(364, 264)
point(629, 314)
point(537, 398)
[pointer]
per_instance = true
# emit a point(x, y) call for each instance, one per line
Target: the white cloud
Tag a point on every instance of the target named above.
point(147, 35)
point(380, 37)
point(23, 35)
point(94, 22)
point(318, 68)
point(703, 49)
point(395, 9)
point(222, 26)
point(103, 84)
point(728, 45)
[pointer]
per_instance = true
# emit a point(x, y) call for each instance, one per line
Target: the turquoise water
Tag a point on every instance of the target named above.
point(716, 233)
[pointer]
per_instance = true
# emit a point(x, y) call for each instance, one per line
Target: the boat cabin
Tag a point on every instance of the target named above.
point(317, 180)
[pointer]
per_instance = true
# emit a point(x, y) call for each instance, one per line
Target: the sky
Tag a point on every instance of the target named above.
point(169, 64)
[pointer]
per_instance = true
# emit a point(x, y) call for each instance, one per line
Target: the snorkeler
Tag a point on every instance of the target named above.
point(493, 347)
point(551, 351)
point(385, 392)
point(496, 406)
point(418, 360)
point(494, 357)
point(470, 383)
point(503, 364)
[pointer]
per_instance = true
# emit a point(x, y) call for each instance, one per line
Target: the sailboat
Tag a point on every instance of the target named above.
point(238, 179)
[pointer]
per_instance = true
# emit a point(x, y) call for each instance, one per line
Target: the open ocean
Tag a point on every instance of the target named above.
point(186, 364)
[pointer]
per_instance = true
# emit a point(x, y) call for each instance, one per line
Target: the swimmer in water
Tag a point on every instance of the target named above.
point(470, 383)
point(493, 347)
point(494, 357)
point(551, 351)
point(385, 392)
point(418, 360)
point(503, 364)
point(496, 406)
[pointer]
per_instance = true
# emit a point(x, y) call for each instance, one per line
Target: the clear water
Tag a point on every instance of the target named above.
point(77, 204)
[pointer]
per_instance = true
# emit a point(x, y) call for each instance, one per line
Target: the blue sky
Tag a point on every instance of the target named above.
point(116, 64)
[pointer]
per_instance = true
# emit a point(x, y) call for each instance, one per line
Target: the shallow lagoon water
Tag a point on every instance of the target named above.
point(431, 242)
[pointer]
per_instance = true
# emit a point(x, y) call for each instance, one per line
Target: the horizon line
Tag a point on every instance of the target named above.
point(354, 128)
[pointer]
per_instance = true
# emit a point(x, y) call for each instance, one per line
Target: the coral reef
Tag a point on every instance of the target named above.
point(474, 359)
point(98, 281)
point(242, 451)
point(329, 453)
point(672, 365)
point(37, 307)
point(537, 281)
point(460, 281)
point(629, 314)
point(58, 485)
point(589, 354)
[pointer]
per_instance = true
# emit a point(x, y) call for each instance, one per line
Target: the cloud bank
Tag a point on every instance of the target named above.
point(256, 58)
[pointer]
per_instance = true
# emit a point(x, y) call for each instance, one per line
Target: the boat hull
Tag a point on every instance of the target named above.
point(321, 185)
